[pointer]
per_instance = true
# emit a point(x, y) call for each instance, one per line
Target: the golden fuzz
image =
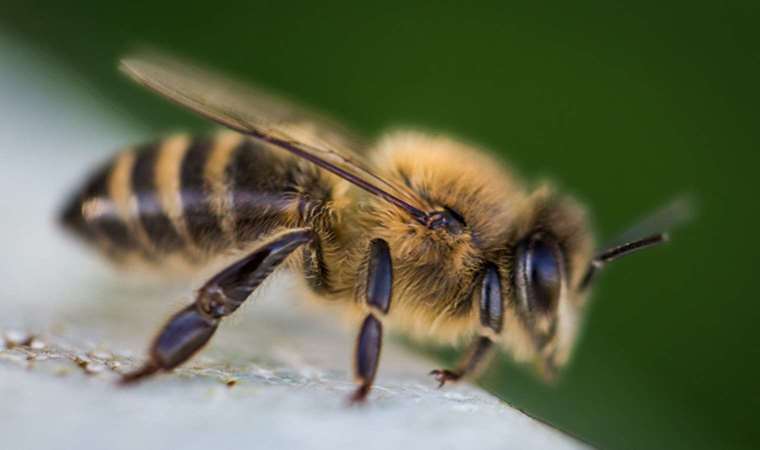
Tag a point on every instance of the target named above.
point(436, 272)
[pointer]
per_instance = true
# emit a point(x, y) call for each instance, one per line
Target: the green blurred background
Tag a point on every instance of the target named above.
point(624, 105)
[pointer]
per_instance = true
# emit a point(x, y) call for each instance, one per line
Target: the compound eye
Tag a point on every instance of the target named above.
point(539, 273)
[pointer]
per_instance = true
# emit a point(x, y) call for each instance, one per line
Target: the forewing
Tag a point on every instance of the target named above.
point(241, 107)
point(256, 113)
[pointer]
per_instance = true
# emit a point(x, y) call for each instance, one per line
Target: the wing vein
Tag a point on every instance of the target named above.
point(269, 119)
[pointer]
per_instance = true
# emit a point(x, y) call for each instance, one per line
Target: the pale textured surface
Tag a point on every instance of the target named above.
point(288, 366)
point(291, 386)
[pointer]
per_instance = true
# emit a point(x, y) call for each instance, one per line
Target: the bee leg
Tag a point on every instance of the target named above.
point(473, 361)
point(491, 309)
point(191, 328)
point(377, 297)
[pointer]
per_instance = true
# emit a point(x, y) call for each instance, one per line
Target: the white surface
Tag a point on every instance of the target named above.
point(290, 364)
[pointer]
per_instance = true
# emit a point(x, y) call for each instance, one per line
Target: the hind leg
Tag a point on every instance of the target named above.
point(192, 327)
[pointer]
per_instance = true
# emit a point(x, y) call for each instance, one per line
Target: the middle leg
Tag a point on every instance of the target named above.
point(377, 296)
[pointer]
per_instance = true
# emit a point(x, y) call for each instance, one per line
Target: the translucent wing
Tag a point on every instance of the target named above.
point(258, 114)
point(678, 211)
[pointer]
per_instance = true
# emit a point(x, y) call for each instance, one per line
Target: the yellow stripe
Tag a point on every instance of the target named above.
point(119, 186)
point(215, 175)
point(124, 200)
point(168, 177)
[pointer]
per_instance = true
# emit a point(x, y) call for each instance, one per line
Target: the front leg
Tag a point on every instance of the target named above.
point(471, 363)
point(491, 310)
point(191, 328)
point(377, 297)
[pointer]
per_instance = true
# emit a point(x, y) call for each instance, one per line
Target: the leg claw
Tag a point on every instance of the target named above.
point(442, 376)
point(133, 377)
point(359, 397)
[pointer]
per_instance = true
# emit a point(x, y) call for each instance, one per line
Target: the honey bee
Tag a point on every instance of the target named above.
point(417, 232)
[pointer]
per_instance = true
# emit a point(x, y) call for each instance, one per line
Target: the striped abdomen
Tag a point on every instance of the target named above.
point(195, 197)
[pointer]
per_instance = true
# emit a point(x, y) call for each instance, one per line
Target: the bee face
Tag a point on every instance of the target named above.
point(547, 264)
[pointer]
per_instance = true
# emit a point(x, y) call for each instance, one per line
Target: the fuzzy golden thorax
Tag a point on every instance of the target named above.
point(438, 273)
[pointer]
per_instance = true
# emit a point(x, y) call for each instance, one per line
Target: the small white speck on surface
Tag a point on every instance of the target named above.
point(113, 365)
point(94, 368)
point(101, 354)
point(277, 377)
point(14, 338)
point(37, 344)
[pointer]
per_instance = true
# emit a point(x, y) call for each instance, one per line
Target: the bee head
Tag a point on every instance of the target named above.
point(548, 260)
point(553, 267)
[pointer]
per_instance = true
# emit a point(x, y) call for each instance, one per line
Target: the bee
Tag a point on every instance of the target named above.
point(417, 232)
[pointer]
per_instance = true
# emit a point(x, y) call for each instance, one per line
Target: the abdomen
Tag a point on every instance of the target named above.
point(193, 198)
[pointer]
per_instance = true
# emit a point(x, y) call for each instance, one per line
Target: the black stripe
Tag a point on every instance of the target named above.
point(72, 219)
point(108, 224)
point(154, 219)
point(202, 223)
point(96, 187)
point(260, 188)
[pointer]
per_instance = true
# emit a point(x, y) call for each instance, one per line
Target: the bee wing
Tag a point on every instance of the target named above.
point(678, 211)
point(261, 115)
